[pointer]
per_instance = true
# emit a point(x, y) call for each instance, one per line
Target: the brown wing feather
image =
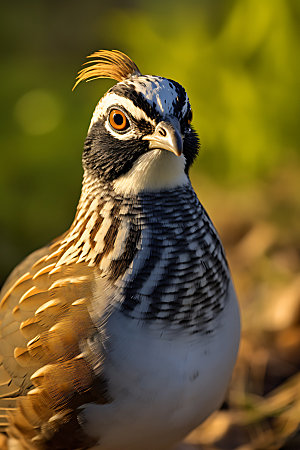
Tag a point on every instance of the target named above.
point(44, 376)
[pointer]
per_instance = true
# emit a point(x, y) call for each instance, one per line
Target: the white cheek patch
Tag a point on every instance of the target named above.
point(111, 99)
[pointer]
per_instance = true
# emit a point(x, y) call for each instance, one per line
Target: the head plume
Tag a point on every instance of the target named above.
point(107, 64)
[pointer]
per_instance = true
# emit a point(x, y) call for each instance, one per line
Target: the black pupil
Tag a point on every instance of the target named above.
point(118, 119)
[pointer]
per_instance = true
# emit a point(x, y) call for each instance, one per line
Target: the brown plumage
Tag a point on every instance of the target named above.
point(108, 64)
point(44, 315)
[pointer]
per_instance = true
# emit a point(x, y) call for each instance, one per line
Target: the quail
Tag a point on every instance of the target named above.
point(123, 332)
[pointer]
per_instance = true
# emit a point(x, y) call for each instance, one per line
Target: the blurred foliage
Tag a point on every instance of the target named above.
point(239, 62)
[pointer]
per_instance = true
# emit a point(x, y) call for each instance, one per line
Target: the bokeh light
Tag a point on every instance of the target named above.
point(38, 112)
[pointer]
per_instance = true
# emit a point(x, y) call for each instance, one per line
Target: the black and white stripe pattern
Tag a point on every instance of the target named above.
point(161, 253)
point(139, 220)
point(146, 100)
point(180, 275)
point(156, 96)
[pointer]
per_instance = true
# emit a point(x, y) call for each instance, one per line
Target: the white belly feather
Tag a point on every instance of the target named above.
point(162, 386)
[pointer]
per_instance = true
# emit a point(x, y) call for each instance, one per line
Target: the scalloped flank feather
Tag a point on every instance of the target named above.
point(108, 64)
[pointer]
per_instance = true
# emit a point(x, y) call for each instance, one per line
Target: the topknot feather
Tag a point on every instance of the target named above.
point(108, 64)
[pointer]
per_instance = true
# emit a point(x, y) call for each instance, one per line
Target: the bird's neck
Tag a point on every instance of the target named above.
point(158, 249)
point(100, 225)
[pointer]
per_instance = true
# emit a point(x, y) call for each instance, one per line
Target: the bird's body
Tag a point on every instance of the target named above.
point(123, 332)
point(164, 387)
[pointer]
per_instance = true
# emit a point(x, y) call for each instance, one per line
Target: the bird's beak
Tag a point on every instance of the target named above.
point(167, 136)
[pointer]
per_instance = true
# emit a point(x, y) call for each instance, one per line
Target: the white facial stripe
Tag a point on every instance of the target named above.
point(111, 99)
point(158, 91)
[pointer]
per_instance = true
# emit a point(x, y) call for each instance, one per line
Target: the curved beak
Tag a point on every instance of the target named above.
point(167, 136)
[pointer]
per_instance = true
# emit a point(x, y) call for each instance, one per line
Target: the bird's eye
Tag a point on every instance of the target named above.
point(118, 120)
point(189, 117)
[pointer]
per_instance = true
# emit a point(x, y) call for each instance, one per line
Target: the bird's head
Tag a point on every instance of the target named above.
point(140, 136)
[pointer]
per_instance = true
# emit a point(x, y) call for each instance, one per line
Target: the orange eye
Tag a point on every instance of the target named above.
point(118, 120)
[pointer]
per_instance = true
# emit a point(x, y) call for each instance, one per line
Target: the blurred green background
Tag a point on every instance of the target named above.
point(239, 62)
point(237, 59)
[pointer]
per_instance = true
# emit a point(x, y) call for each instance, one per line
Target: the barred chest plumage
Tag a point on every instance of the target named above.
point(160, 252)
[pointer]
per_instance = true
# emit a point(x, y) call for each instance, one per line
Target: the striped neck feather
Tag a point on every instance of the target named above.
point(137, 241)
